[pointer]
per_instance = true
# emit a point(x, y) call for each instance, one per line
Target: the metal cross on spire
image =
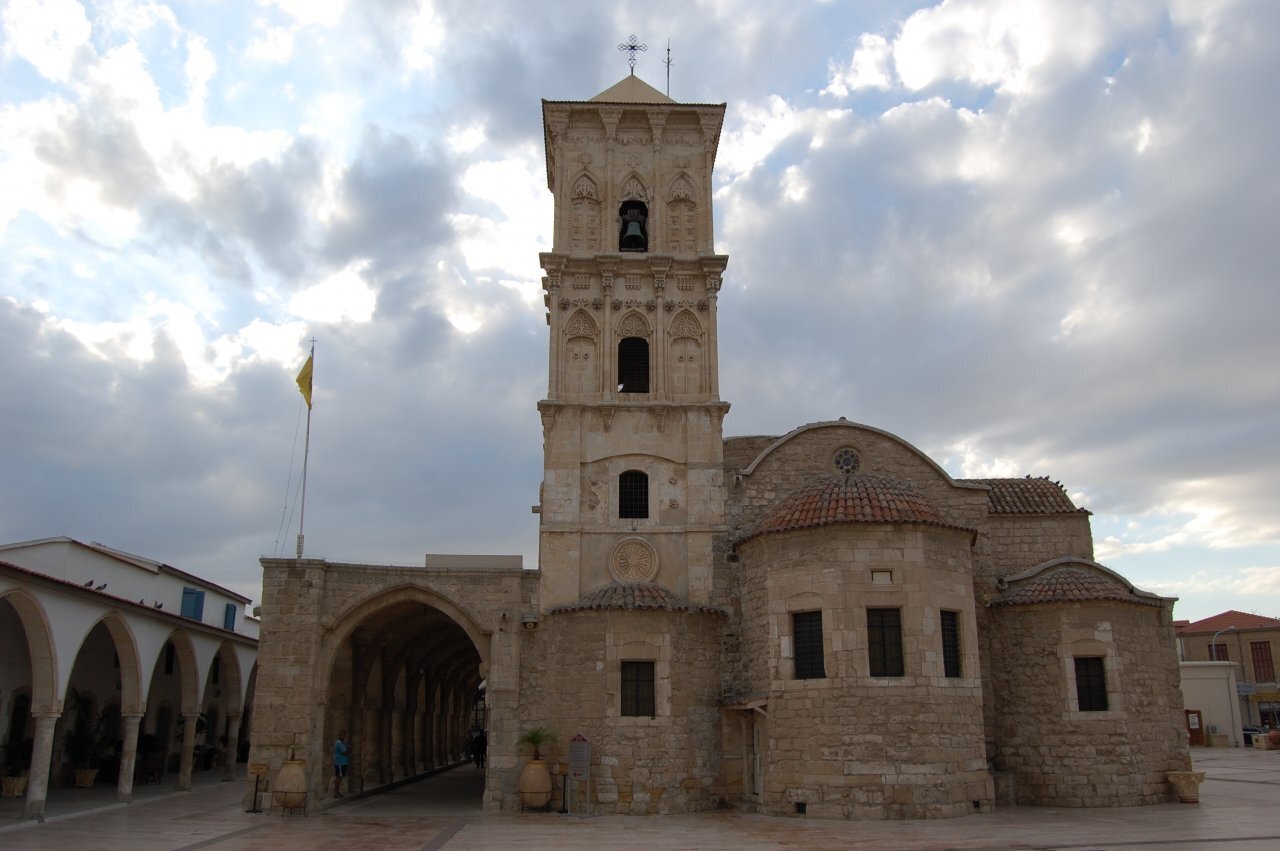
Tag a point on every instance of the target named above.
point(632, 45)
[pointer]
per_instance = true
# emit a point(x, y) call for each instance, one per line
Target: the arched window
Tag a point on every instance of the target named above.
point(633, 226)
point(633, 365)
point(633, 495)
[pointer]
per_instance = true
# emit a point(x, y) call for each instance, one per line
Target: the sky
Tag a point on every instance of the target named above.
point(1030, 238)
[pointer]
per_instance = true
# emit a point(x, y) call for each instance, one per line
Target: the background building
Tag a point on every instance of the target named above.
point(162, 659)
point(1250, 642)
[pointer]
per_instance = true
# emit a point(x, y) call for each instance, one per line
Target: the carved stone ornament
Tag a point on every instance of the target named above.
point(681, 189)
point(582, 282)
point(633, 560)
point(580, 325)
point(585, 187)
point(633, 326)
point(686, 326)
point(634, 189)
point(597, 303)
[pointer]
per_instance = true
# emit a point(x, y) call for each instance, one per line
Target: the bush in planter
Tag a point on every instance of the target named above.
point(535, 784)
point(86, 741)
point(536, 738)
point(17, 761)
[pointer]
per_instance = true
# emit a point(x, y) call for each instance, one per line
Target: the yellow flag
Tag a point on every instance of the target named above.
point(304, 380)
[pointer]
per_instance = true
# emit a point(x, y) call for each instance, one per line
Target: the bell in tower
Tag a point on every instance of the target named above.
point(632, 235)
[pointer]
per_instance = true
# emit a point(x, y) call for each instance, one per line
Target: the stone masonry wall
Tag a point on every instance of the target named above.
point(1057, 755)
point(571, 683)
point(849, 745)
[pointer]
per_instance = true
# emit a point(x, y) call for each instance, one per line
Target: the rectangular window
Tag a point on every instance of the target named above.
point(951, 644)
point(884, 642)
point(633, 495)
point(637, 689)
point(806, 628)
point(1091, 684)
point(1264, 670)
point(229, 617)
point(192, 603)
point(1218, 653)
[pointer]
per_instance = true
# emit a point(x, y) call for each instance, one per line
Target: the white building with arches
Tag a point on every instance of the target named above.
point(165, 658)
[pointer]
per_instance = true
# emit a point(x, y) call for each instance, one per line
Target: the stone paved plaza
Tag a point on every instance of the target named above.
point(1239, 810)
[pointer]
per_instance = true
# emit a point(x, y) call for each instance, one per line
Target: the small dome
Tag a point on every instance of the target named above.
point(1072, 585)
point(831, 500)
point(634, 595)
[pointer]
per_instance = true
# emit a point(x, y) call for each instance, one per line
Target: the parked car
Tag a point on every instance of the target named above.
point(1249, 732)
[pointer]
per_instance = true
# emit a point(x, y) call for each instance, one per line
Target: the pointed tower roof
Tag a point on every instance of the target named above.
point(632, 89)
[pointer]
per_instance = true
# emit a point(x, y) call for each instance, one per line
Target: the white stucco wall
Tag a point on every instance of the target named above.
point(1211, 688)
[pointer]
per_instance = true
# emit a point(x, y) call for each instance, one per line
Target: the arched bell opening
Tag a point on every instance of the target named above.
point(633, 365)
point(633, 226)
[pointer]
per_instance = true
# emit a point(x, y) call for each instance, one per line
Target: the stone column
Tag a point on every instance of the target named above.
point(188, 751)
point(232, 750)
point(128, 755)
point(41, 757)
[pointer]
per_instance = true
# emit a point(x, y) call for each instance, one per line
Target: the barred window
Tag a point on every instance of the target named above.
point(1264, 669)
point(806, 629)
point(1091, 684)
point(637, 689)
point(884, 642)
point(633, 495)
point(951, 644)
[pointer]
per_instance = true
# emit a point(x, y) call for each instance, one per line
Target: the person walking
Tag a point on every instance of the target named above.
point(480, 746)
point(341, 760)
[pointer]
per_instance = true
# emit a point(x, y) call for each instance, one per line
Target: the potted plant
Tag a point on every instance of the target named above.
point(17, 761)
point(86, 739)
point(535, 780)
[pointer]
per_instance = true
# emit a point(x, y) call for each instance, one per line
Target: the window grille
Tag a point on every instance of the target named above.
point(637, 689)
point(1218, 653)
point(951, 644)
point(884, 642)
point(633, 495)
point(806, 630)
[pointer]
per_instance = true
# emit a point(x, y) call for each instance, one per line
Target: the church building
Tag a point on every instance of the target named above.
point(823, 623)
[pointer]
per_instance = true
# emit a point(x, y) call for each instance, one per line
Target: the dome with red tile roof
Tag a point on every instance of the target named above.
point(834, 500)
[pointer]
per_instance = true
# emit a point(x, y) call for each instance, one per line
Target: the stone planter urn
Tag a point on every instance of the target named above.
point(13, 787)
point(535, 784)
point(1273, 740)
point(85, 777)
point(1186, 785)
point(290, 790)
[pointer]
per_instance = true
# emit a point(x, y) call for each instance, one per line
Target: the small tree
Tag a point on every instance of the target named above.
point(536, 738)
point(86, 740)
point(17, 757)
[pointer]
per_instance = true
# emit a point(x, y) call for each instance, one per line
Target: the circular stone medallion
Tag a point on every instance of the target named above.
point(633, 560)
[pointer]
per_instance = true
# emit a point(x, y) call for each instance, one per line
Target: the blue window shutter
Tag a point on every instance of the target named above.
point(229, 618)
point(192, 603)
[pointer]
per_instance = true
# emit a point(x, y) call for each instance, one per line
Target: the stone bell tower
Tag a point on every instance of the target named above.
point(632, 488)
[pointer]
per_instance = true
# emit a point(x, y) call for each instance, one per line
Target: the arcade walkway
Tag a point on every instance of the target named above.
point(1239, 810)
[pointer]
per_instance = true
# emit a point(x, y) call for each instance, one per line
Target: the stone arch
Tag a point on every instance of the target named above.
point(682, 231)
point(44, 655)
point(633, 188)
point(633, 325)
point(345, 623)
point(130, 664)
point(584, 218)
point(686, 364)
point(581, 374)
point(189, 671)
point(369, 665)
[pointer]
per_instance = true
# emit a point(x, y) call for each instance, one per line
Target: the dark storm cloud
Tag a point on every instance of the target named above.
point(393, 199)
point(267, 206)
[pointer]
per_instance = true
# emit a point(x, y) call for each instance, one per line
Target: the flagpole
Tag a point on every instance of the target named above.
point(306, 452)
